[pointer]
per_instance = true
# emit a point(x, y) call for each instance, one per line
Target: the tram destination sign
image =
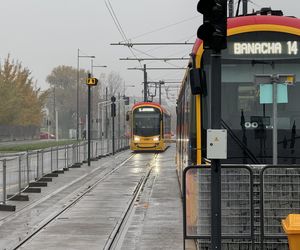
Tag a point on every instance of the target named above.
point(285, 49)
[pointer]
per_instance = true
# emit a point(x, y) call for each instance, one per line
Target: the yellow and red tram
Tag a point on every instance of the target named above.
point(150, 127)
point(261, 43)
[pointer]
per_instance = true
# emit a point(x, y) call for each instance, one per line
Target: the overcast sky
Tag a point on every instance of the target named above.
point(43, 34)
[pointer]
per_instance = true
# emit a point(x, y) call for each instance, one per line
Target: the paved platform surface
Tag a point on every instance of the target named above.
point(156, 222)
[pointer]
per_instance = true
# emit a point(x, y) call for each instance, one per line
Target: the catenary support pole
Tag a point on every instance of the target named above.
point(145, 84)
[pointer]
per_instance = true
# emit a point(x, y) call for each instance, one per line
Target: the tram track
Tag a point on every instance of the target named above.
point(103, 175)
point(83, 178)
point(116, 237)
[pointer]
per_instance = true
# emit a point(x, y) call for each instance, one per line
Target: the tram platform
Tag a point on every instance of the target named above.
point(155, 221)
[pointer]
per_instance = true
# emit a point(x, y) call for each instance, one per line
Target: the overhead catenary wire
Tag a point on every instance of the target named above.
point(118, 25)
point(135, 51)
point(111, 12)
point(255, 4)
point(165, 27)
point(171, 64)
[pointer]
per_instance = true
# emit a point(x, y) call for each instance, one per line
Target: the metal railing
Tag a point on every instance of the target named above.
point(254, 201)
point(17, 172)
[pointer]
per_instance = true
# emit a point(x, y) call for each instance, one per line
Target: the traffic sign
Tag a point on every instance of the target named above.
point(92, 81)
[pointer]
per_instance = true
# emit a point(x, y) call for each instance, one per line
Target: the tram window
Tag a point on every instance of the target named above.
point(238, 84)
point(146, 123)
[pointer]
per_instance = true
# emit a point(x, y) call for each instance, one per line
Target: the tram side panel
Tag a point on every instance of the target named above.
point(185, 145)
point(246, 117)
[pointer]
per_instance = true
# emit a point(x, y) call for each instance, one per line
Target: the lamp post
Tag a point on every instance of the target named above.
point(96, 66)
point(77, 102)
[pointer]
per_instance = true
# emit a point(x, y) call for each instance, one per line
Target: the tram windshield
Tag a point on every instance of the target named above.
point(146, 121)
point(247, 103)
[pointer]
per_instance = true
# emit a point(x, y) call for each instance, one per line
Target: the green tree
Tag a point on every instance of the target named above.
point(63, 83)
point(63, 89)
point(23, 103)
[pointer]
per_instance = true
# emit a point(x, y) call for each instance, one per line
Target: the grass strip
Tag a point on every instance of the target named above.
point(34, 146)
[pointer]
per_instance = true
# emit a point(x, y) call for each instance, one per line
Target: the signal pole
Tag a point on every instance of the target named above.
point(245, 7)
point(231, 7)
point(90, 82)
point(213, 32)
point(216, 163)
point(113, 115)
point(89, 124)
point(145, 84)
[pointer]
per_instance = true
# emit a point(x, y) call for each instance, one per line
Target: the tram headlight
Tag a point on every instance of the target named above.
point(136, 138)
point(156, 139)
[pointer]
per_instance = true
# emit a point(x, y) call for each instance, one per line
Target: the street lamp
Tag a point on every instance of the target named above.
point(77, 109)
point(96, 66)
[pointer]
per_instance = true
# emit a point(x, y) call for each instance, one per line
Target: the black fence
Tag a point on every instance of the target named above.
point(254, 201)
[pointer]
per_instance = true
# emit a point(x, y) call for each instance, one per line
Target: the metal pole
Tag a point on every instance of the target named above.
point(159, 94)
point(57, 155)
point(27, 165)
point(102, 120)
point(37, 164)
point(113, 135)
point(54, 109)
point(231, 8)
point(89, 125)
point(106, 120)
point(20, 164)
point(215, 163)
point(4, 181)
point(77, 102)
point(51, 161)
point(275, 119)
point(42, 162)
point(113, 114)
point(56, 125)
point(91, 111)
point(245, 7)
point(66, 156)
point(48, 127)
point(119, 120)
point(145, 84)
point(98, 120)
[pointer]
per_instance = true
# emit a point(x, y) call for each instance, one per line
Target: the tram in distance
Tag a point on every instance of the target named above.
point(262, 43)
point(150, 127)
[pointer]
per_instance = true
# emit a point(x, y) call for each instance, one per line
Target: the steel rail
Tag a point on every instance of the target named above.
point(54, 215)
point(113, 241)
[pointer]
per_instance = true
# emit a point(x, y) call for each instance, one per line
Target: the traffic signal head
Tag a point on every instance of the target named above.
point(92, 81)
point(113, 109)
point(205, 6)
point(213, 31)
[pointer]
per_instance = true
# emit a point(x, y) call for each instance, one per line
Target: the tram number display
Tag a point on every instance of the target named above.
point(263, 48)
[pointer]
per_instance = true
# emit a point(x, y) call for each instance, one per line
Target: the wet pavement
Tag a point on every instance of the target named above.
point(156, 221)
